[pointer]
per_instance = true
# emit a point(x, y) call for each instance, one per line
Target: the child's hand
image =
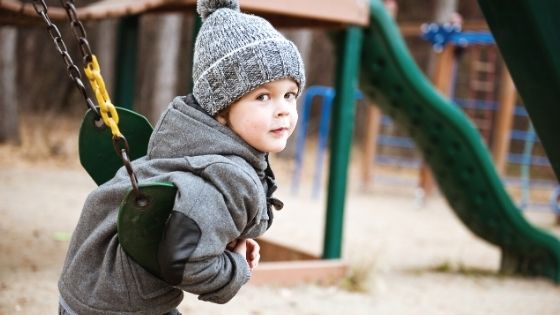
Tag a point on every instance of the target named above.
point(238, 246)
point(253, 253)
point(249, 249)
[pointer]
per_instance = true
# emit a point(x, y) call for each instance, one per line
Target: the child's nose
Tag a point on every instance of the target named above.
point(283, 108)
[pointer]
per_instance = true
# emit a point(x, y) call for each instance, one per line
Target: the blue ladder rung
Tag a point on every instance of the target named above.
point(516, 158)
point(394, 141)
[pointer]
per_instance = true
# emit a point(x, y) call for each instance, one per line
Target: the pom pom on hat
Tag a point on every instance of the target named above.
point(206, 7)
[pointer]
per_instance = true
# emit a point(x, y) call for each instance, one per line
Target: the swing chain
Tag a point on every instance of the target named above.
point(92, 70)
point(78, 29)
point(121, 147)
point(73, 71)
point(108, 111)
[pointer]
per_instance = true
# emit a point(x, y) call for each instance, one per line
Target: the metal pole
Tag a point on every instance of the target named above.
point(127, 54)
point(344, 110)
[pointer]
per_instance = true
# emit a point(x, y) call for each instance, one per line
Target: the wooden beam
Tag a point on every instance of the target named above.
point(504, 121)
point(299, 272)
point(339, 11)
point(373, 125)
point(286, 12)
point(443, 72)
point(283, 265)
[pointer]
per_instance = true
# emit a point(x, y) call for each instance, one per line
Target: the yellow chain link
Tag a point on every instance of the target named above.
point(108, 111)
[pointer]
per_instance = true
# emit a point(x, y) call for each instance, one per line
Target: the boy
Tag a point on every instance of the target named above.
point(213, 145)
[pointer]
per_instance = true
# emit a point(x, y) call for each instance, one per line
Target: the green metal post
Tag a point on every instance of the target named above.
point(342, 127)
point(127, 54)
point(196, 27)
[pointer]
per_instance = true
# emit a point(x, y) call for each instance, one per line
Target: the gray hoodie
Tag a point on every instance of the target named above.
point(224, 189)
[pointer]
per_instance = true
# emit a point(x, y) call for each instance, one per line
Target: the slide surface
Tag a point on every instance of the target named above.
point(454, 150)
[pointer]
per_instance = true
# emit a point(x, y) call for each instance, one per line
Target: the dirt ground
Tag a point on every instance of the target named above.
point(405, 258)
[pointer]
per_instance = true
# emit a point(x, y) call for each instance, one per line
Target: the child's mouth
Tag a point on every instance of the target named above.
point(279, 131)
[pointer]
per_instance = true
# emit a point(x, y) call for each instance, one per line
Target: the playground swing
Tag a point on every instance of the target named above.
point(146, 207)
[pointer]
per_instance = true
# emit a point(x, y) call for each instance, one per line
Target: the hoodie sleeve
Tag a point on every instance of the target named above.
point(212, 208)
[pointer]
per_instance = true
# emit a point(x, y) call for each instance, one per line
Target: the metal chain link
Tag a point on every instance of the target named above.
point(73, 71)
point(78, 29)
point(121, 147)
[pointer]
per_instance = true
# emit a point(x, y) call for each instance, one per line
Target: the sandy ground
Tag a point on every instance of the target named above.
point(405, 258)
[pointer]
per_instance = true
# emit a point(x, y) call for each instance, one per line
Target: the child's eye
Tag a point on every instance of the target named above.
point(290, 96)
point(263, 97)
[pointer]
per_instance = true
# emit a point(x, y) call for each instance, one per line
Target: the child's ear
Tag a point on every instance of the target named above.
point(221, 119)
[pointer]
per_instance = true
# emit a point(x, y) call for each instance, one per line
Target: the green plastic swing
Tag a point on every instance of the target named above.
point(143, 213)
point(146, 207)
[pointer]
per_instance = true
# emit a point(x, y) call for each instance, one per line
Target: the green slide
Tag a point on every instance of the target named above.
point(454, 150)
point(528, 35)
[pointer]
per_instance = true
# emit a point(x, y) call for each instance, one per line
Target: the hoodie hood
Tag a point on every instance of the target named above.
point(185, 129)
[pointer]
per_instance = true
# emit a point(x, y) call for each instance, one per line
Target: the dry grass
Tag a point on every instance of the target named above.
point(46, 139)
point(460, 268)
point(359, 277)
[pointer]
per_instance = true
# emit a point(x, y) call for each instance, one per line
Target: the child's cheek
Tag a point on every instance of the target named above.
point(295, 118)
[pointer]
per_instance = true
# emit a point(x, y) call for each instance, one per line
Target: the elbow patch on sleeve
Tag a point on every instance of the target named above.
point(180, 238)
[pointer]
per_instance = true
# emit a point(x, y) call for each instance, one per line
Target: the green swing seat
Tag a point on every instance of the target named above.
point(142, 215)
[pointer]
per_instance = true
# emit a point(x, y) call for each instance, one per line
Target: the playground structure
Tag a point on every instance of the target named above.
point(453, 149)
point(448, 142)
point(494, 116)
point(451, 43)
point(397, 150)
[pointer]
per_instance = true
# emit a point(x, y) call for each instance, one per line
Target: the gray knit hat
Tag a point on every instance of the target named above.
point(236, 52)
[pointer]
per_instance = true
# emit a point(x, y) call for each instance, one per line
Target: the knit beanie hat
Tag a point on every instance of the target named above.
point(236, 52)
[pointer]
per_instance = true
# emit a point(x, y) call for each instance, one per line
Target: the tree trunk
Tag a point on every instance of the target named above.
point(184, 81)
point(9, 131)
point(167, 61)
point(160, 42)
point(105, 47)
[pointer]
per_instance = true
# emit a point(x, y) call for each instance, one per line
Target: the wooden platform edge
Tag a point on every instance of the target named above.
point(290, 273)
point(285, 13)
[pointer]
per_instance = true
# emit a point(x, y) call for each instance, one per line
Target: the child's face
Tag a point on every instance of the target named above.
point(265, 117)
